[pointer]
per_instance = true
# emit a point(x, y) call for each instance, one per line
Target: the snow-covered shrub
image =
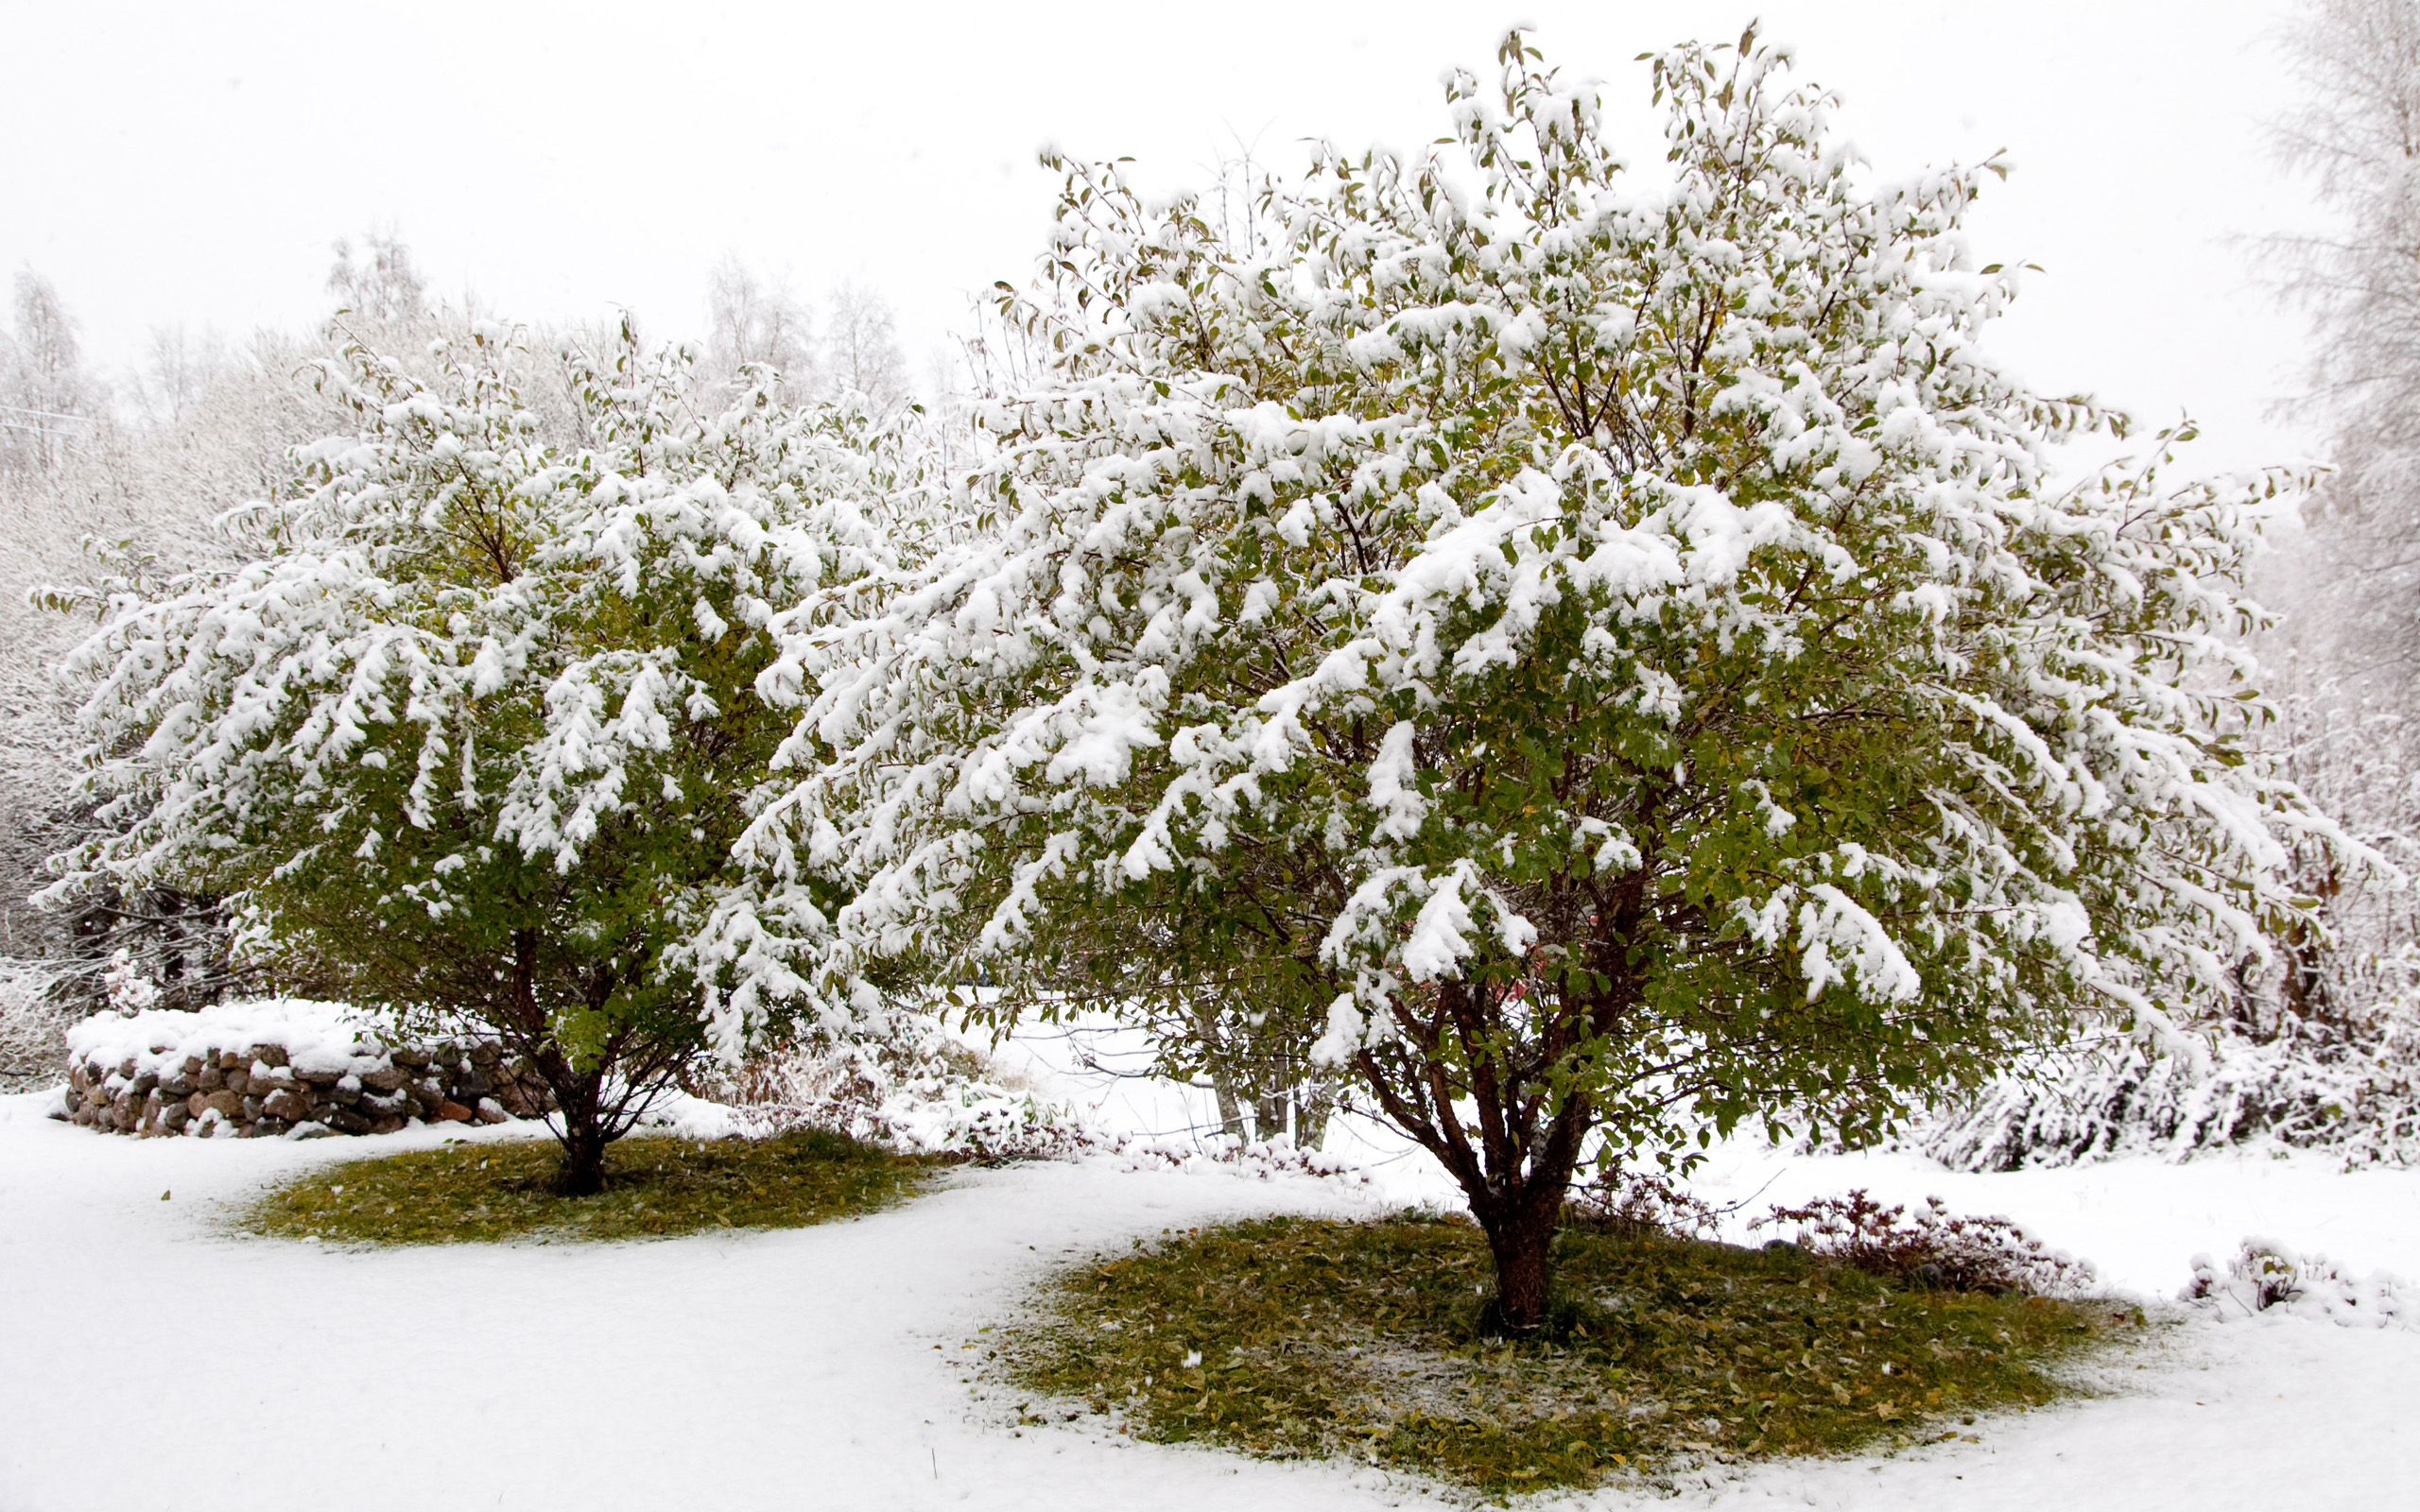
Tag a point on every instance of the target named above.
point(2356, 1099)
point(126, 988)
point(32, 1019)
point(2266, 1275)
point(478, 721)
point(1265, 1159)
point(918, 1091)
point(1933, 1246)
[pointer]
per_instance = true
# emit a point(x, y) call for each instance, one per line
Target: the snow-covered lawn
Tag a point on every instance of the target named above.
point(154, 1362)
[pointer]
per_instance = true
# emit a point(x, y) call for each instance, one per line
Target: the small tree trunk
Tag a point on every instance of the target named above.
point(1230, 1112)
point(582, 1174)
point(1269, 1113)
point(1517, 1173)
point(1522, 1240)
point(579, 1099)
point(1222, 1081)
point(1311, 1109)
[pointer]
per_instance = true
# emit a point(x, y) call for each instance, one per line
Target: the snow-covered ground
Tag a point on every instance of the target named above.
point(151, 1361)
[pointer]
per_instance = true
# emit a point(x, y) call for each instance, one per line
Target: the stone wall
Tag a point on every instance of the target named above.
point(260, 1089)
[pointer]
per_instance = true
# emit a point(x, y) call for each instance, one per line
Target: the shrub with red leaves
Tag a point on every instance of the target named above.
point(1640, 1203)
point(1932, 1247)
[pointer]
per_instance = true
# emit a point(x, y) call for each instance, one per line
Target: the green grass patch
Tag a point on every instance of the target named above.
point(655, 1185)
point(1295, 1337)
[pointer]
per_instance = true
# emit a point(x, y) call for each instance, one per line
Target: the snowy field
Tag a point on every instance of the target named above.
point(154, 1361)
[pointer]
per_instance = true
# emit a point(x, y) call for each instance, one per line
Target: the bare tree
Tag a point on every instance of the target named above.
point(177, 366)
point(2357, 137)
point(48, 403)
point(753, 322)
point(384, 286)
point(861, 348)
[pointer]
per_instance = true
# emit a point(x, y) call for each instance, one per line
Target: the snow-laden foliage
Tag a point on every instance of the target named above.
point(2264, 1276)
point(134, 497)
point(475, 729)
point(31, 1021)
point(1603, 652)
point(2320, 1047)
point(2301, 1086)
point(915, 1090)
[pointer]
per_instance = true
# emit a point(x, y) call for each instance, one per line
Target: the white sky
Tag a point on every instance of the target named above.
point(169, 163)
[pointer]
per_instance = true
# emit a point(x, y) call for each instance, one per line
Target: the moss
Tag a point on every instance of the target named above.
point(655, 1185)
point(1297, 1336)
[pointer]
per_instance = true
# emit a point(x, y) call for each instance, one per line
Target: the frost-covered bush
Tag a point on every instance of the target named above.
point(1642, 1202)
point(2318, 1046)
point(1264, 1160)
point(2264, 1276)
point(1932, 1246)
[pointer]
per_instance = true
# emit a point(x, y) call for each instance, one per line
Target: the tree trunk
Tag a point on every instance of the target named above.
point(582, 1174)
point(1230, 1112)
point(579, 1099)
point(1517, 1173)
point(1522, 1240)
point(1269, 1113)
point(1222, 1081)
point(1312, 1106)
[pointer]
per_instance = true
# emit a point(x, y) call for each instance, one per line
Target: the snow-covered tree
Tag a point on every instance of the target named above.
point(752, 322)
point(140, 493)
point(2354, 271)
point(383, 287)
point(142, 497)
point(473, 730)
point(48, 403)
point(177, 368)
point(1605, 654)
point(861, 348)
point(2315, 1046)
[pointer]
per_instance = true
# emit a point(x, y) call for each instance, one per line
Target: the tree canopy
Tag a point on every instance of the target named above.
point(1607, 653)
point(474, 724)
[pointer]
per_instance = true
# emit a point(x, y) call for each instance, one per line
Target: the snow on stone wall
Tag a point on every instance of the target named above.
point(287, 1067)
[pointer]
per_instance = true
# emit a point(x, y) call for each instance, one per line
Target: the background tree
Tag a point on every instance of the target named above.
point(49, 406)
point(861, 348)
point(2351, 582)
point(179, 368)
point(1620, 645)
point(142, 491)
point(383, 287)
point(753, 323)
point(142, 494)
point(471, 732)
